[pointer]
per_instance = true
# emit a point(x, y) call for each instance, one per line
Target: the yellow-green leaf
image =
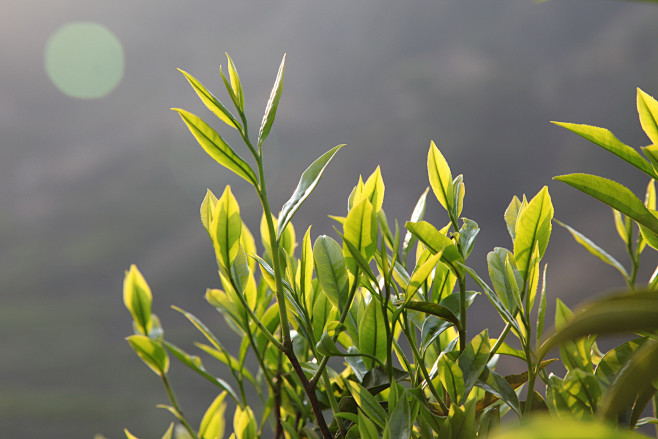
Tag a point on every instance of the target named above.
point(360, 229)
point(216, 147)
point(137, 298)
point(151, 352)
point(213, 423)
point(226, 229)
point(647, 108)
point(210, 101)
point(440, 177)
point(272, 103)
point(533, 227)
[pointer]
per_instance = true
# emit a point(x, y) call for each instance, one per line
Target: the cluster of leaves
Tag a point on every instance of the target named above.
point(389, 306)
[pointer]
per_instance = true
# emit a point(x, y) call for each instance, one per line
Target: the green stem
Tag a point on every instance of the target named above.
point(174, 404)
point(462, 313)
point(332, 401)
point(421, 364)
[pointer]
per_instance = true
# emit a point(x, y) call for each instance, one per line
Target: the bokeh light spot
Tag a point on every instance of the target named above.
point(84, 60)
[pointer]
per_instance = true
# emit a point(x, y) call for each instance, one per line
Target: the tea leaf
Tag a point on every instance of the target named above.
point(436, 242)
point(373, 190)
point(435, 310)
point(244, 423)
point(606, 140)
point(236, 85)
point(367, 429)
point(638, 373)
point(399, 424)
point(151, 352)
point(137, 298)
point(617, 314)
point(647, 108)
point(207, 209)
point(499, 386)
point(307, 183)
point(367, 403)
point(547, 428)
point(473, 360)
point(372, 333)
point(615, 360)
point(451, 377)
point(211, 102)
point(216, 147)
point(594, 249)
point(511, 215)
point(226, 229)
point(213, 424)
point(360, 229)
point(503, 284)
point(272, 103)
point(331, 270)
point(417, 215)
point(533, 227)
point(440, 177)
point(420, 275)
point(614, 195)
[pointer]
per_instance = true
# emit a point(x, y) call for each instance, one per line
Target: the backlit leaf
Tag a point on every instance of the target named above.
point(212, 423)
point(614, 195)
point(440, 177)
point(331, 270)
point(236, 85)
point(210, 101)
point(533, 228)
point(605, 139)
point(307, 183)
point(360, 229)
point(647, 108)
point(272, 104)
point(594, 249)
point(226, 229)
point(137, 298)
point(216, 147)
point(151, 352)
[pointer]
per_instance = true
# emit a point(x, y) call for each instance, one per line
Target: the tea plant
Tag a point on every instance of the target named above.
point(390, 306)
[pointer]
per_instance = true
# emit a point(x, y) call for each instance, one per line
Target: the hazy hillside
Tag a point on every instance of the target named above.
point(89, 187)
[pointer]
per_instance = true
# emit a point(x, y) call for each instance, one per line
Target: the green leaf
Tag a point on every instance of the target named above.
point(372, 333)
point(417, 215)
point(489, 422)
point(226, 229)
point(459, 190)
point(137, 298)
point(440, 177)
point(533, 227)
point(236, 85)
point(505, 287)
point(367, 429)
point(244, 423)
point(615, 359)
point(420, 275)
point(622, 313)
point(213, 423)
point(614, 195)
point(467, 235)
point(512, 215)
point(216, 147)
point(435, 310)
point(638, 373)
point(647, 108)
point(307, 183)
point(170, 431)
point(151, 352)
point(575, 354)
point(437, 242)
point(272, 104)
point(207, 209)
point(451, 377)
point(594, 249)
point(499, 386)
point(473, 360)
point(399, 422)
point(372, 190)
point(210, 101)
point(547, 428)
point(360, 229)
point(331, 270)
point(606, 140)
point(367, 403)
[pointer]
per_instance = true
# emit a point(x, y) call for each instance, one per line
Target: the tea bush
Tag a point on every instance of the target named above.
point(390, 306)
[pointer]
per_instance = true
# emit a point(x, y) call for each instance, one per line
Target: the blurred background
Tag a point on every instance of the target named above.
point(97, 174)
